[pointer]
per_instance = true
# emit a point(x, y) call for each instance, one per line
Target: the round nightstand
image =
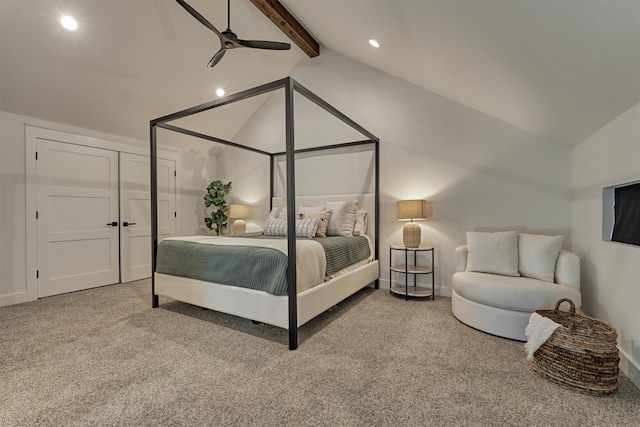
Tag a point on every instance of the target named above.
point(414, 269)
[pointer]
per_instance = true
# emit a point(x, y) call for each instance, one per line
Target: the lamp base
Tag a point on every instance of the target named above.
point(411, 235)
point(239, 227)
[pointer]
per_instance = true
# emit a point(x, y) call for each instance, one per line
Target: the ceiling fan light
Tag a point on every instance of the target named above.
point(374, 43)
point(220, 92)
point(69, 23)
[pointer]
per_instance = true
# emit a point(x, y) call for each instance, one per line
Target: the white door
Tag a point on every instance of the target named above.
point(77, 224)
point(135, 212)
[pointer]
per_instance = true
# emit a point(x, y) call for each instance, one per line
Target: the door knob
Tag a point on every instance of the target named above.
point(112, 224)
point(126, 224)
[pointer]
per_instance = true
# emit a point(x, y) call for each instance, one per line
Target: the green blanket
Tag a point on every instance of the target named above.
point(246, 266)
point(342, 251)
point(250, 266)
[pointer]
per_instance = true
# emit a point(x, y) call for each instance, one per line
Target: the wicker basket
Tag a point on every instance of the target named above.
point(581, 354)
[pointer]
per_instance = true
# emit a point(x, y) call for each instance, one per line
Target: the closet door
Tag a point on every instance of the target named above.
point(77, 225)
point(135, 212)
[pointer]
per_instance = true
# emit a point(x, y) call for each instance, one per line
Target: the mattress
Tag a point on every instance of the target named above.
point(260, 262)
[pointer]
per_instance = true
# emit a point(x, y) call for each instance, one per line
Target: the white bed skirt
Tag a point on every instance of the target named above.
point(262, 306)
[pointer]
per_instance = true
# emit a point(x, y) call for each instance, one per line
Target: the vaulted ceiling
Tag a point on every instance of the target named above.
point(561, 69)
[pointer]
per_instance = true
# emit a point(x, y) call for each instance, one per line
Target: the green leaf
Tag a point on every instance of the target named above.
point(219, 217)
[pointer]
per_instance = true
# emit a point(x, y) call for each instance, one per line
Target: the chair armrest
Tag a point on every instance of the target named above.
point(568, 269)
point(461, 258)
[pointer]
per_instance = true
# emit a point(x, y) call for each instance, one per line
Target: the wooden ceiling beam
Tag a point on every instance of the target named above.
point(279, 15)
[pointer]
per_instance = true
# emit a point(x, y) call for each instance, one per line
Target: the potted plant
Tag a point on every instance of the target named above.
point(216, 193)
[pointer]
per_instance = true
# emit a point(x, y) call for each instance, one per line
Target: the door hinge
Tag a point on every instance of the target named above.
point(36, 155)
point(37, 274)
point(36, 214)
point(174, 173)
point(175, 214)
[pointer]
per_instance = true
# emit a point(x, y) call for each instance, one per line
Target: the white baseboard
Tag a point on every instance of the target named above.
point(13, 299)
point(445, 291)
point(384, 283)
point(629, 367)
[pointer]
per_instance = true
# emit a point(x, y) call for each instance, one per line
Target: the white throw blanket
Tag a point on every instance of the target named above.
point(538, 332)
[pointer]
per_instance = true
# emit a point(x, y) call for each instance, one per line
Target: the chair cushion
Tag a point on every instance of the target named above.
point(512, 293)
point(493, 252)
point(537, 255)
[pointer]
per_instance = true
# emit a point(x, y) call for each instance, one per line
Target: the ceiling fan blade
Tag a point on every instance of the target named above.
point(199, 17)
point(260, 44)
point(217, 57)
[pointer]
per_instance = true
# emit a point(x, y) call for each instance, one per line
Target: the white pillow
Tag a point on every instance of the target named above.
point(342, 219)
point(538, 255)
point(278, 227)
point(495, 253)
point(277, 211)
point(283, 213)
point(362, 223)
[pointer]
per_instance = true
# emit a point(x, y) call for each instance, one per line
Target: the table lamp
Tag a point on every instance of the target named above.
point(239, 212)
point(411, 210)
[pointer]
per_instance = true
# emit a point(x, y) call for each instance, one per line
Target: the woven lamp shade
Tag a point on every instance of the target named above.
point(412, 210)
point(240, 212)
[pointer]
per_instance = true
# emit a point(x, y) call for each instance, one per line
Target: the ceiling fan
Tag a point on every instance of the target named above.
point(228, 39)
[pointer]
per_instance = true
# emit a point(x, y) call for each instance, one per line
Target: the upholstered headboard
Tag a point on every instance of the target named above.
point(366, 202)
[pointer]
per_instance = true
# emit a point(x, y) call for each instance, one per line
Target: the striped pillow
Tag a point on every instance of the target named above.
point(322, 225)
point(304, 227)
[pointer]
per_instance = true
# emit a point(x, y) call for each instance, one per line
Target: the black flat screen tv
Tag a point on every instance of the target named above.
point(621, 213)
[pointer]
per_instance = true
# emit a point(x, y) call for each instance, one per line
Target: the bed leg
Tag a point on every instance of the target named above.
point(155, 301)
point(255, 322)
point(376, 284)
point(293, 339)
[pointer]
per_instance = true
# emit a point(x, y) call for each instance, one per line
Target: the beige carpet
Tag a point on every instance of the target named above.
point(104, 357)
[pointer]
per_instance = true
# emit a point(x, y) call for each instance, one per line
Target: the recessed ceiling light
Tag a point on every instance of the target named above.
point(220, 92)
point(374, 43)
point(69, 23)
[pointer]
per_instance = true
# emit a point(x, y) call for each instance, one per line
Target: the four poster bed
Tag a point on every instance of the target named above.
point(185, 268)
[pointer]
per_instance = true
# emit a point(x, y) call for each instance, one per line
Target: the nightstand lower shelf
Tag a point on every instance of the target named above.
point(412, 291)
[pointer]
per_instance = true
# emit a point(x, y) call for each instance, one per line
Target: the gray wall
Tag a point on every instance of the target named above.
point(610, 272)
point(480, 173)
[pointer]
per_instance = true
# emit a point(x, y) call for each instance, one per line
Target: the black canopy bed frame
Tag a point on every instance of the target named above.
point(290, 86)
